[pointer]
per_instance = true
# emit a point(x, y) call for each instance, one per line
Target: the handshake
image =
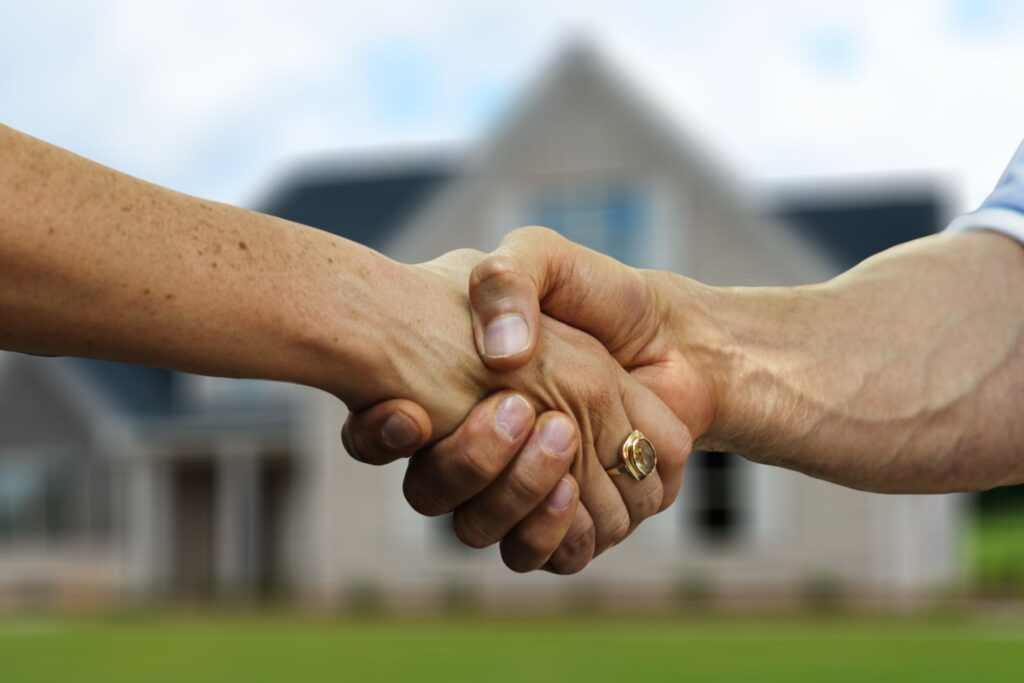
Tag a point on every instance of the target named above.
point(544, 438)
point(546, 394)
point(544, 461)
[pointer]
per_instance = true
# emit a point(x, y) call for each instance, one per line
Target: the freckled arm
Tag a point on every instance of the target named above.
point(96, 263)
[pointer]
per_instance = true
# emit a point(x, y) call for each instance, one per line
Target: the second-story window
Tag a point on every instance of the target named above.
point(613, 217)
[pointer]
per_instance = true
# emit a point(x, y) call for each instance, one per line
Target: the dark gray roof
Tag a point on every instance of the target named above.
point(364, 205)
point(134, 389)
point(857, 223)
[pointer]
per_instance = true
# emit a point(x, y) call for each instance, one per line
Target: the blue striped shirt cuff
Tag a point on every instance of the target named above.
point(1003, 211)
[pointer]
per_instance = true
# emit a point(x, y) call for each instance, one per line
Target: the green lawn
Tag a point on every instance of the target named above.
point(294, 649)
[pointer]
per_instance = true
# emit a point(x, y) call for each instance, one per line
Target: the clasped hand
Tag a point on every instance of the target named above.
point(554, 400)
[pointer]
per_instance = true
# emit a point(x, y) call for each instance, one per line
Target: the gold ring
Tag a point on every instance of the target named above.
point(638, 457)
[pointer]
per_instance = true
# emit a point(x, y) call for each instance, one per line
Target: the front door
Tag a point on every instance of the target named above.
point(193, 488)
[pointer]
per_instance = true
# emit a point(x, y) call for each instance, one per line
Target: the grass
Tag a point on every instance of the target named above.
point(281, 648)
point(997, 550)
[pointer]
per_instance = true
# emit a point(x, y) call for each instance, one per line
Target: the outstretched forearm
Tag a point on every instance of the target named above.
point(96, 263)
point(904, 374)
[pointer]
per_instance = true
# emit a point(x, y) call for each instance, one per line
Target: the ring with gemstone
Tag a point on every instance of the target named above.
point(638, 457)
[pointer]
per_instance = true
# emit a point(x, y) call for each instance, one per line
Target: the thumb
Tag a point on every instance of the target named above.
point(537, 268)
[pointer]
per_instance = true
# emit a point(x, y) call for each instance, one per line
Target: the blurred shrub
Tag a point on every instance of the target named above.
point(695, 591)
point(364, 597)
point(583, 598)
point(997, 553)
point(822, 592)
point(460, 596)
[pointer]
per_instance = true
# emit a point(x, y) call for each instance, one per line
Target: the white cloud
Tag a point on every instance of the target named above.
point(211, 97)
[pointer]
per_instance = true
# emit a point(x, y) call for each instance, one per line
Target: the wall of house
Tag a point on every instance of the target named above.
point(58, 544)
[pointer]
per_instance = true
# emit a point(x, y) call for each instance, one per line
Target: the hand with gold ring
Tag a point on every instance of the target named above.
point(613, 303)
point(503, 472)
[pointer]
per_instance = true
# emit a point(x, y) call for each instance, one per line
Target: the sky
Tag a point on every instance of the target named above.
point(220, 98)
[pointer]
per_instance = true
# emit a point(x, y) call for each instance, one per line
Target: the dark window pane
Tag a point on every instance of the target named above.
point(716, 512)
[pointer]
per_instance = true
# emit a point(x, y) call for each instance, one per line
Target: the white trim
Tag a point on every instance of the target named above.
point(1010, 223)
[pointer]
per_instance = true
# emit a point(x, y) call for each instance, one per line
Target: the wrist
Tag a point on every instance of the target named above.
point(395, 331)
point(682, 350)
point(732, 342)
point(340, 332)
point(752, 347)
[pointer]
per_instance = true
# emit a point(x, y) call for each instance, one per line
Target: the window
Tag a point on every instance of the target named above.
point(610, 217)
point(717, 513)
point(47, 496)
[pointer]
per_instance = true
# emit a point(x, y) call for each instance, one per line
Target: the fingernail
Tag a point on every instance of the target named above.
point(513, 416)
point(399, 432)
point(506, 336)
point(562, 495)
point(556, 435)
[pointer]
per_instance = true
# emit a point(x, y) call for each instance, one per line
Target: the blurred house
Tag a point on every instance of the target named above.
point(117, 479)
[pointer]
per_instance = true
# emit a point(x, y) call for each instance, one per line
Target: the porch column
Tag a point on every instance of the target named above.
point(147, 535)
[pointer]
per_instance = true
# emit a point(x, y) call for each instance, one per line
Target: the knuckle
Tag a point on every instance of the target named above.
point(524, 488)
point(495, 273)
point(469, 529)
point(477, 465)
point(478, 431)
point(535, 233)
point(496, 266)
point(525, 554)
point(576, 548)
point(350, 440)
point(593, 348)
point(614, 529)
point(421, 499)
point(572, 557)
point(535, 546)
point(650, 502)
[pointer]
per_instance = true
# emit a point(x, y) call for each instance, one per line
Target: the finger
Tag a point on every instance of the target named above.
point(532, 542)
point(386, 432)
point(504, 301)
point(616, 505)
point(667, 433)
point(531, 477)
point(577, 547)
point(536, 267)
point(462, 465)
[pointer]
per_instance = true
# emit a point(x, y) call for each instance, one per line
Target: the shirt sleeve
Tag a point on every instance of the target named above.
point(1003, 211)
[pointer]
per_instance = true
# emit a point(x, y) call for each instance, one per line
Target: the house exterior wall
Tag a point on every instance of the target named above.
point(39, 421)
